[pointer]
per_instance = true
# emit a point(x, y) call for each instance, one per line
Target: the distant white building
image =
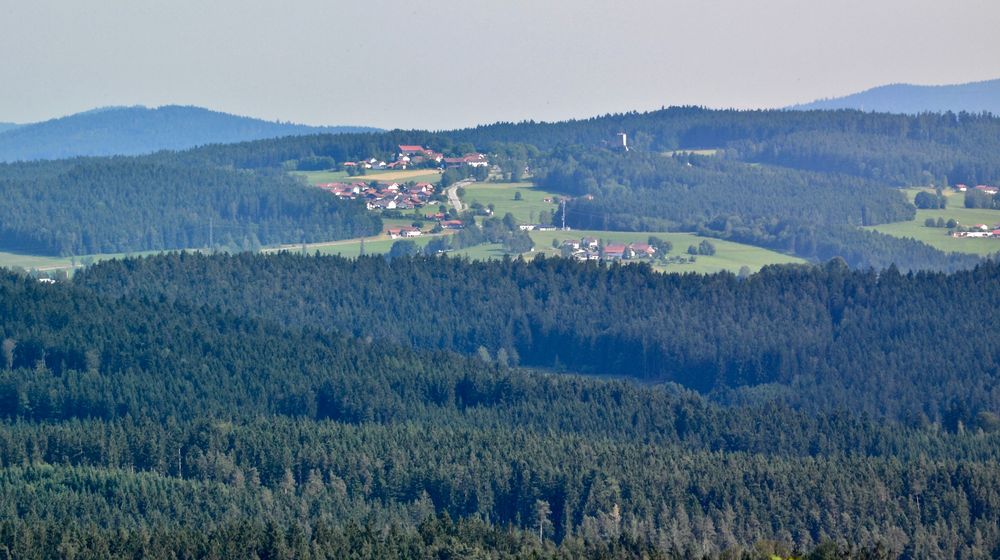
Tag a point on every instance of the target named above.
point(622, 141)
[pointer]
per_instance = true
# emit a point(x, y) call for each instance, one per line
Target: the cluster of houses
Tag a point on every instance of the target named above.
point(589, 249)
point(990, 190)
point(383, 196)
point(979, 230)
point(417, 156)
point(399, 232)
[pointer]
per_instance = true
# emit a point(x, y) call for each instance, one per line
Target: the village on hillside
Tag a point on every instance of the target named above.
point(394, 195)
point(383, 196)
point(413, 156)
point(590, 249)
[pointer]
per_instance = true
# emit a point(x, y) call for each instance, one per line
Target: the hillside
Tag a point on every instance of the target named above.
point(139, 130)
point(974, 97)
point(5, 126)
point(162, 420)
point(798, 182)
point(121, 205)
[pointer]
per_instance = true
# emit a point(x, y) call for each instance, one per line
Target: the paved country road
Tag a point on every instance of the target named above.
point(453, 193)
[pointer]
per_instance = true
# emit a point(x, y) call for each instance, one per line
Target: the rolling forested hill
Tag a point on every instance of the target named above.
point(798, 182)
point(117, 205)
point(777, 179)
point(975, 97)
point(894, 149)
point(809, 335)
point(141, 130)
point(142, 417)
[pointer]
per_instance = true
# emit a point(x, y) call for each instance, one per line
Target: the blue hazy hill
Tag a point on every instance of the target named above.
point(975, 97)
point(141, 130)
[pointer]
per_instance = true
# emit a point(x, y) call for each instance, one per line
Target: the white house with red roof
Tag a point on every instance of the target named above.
point(404, 231)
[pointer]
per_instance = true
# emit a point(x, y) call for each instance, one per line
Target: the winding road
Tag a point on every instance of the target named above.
point(452, 192)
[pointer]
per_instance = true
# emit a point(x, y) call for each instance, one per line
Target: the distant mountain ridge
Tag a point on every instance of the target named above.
point(140, 130)
point(974, 97)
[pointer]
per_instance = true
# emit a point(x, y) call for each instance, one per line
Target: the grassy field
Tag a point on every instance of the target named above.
point(417, 175)
point(50, 264)
point(378, 245)
point(938, 237)
point(501, 195)
point(728, 256)
point(15, 260)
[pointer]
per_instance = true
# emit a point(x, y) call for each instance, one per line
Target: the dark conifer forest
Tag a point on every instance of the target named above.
point(291, 406)
point(122, 205)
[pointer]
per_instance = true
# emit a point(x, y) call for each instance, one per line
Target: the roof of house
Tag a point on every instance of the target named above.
point(404, 148)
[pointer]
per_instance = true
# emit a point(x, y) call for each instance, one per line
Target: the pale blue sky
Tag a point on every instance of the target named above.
point(443, 64)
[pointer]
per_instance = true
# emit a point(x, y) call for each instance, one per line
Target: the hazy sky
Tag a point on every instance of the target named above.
point(443, 64)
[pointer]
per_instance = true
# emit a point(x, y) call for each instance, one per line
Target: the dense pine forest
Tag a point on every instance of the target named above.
point(815, 336)
point(119, 205)
point(295, 407)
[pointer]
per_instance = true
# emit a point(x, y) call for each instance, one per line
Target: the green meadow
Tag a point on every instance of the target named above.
point(416, 175)
point(938, 237)
point(501, 196)
point(728, 255)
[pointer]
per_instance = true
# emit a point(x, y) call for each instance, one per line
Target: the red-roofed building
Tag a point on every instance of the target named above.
point(475, 160)
point(642, 249)
point(615, 251)
point(404, 231)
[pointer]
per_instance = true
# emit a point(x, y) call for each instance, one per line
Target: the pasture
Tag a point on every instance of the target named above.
point(501, 195)
point(402, 176)
point(938, 237)
point(728, 256)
